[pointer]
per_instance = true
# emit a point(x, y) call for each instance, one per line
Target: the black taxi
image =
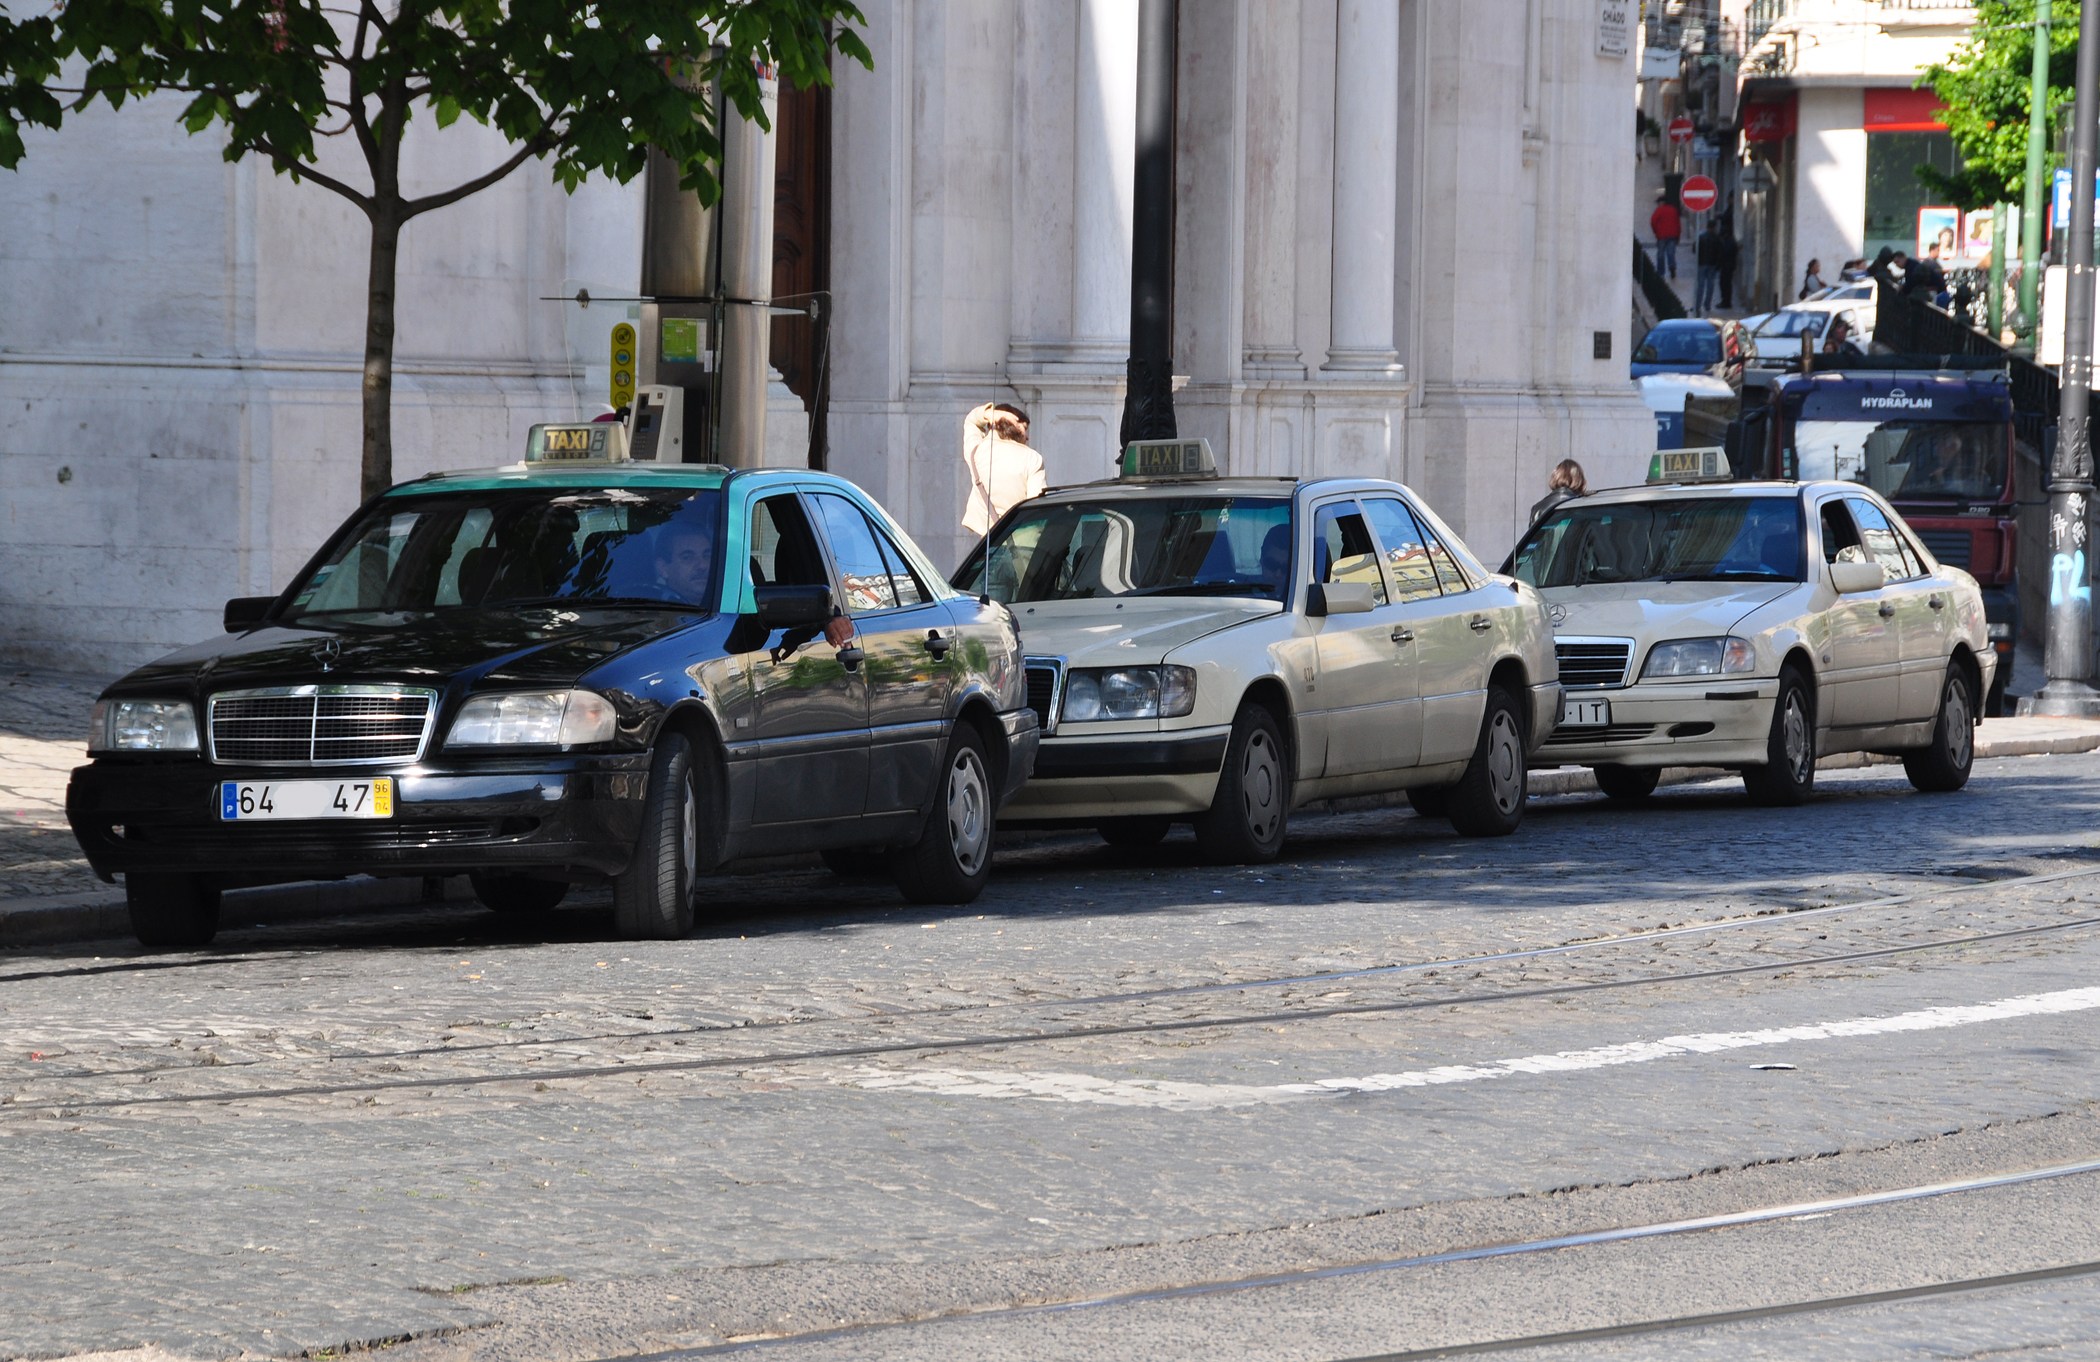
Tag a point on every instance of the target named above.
point(573, 669)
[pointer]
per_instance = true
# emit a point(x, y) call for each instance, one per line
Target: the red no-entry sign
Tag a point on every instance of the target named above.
point(1698, 193)
point(1680, 129)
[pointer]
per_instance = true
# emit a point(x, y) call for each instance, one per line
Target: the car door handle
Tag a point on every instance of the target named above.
point(1888, 608)
point(1403, 635)
point(936, 645)
point(1937, 602)
point(1480, 624)
point(851, 656)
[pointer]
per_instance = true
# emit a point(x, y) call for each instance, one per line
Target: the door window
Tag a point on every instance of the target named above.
point(1407, 552)
point(910, 590)
point(783, 547)
point(864, 575)
point(1882, 542)
point(1343, 550)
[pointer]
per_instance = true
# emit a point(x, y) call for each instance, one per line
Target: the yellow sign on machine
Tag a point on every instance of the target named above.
point(623, 360)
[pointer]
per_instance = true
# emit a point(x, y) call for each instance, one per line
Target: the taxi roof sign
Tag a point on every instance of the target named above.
point(577, 442)
point(1689, 465)
point(1167, 459)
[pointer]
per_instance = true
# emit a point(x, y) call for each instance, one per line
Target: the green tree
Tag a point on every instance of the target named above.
point(1985, 86)
point(589, 88)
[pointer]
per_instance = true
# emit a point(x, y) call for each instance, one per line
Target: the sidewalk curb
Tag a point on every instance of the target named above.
point(101, 915)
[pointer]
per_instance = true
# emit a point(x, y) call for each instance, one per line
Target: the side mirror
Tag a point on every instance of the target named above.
point(1850, 578)
point(793, 607)
point(245, 612)
point(1340, 598)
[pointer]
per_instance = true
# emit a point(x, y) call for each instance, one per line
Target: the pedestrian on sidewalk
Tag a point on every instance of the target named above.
point(1706, 254)
point(1667, 226)
point(1811, 280)
point(1564, 483)
point(1731, 254)
point(1004, 471)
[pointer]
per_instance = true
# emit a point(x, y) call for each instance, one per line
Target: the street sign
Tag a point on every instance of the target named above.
point(1680, 129)
point(1614, 27)
point(623, 370)
point(1698, 193)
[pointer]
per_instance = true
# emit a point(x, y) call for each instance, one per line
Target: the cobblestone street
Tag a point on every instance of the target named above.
point(827, 1109)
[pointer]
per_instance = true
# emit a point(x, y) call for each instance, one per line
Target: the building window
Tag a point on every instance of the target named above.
point(1894, 191)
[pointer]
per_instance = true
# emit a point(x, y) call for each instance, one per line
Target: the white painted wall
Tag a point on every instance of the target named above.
point(1830, 179)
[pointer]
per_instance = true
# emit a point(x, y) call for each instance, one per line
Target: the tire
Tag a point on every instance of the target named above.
point(1627, 782)
point(1944, 764)
point(171, 912)
point(518, 895)
point(854, 863)
point(1430, 801)
point(1488, 800)
point(1251, 811)
point(1134, 834)
point(653, 897)
point(952, 859)
point(1788, 776)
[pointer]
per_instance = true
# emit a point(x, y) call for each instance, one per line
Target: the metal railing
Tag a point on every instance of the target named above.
point(1662, 299)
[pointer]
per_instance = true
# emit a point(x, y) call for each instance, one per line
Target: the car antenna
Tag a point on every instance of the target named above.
point(984, 488)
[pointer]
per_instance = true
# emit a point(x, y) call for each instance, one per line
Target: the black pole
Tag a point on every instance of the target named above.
point(1148, 401)
point(2068, 660)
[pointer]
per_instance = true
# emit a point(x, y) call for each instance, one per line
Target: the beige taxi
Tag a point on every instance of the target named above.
point(1754, 625)
point(1220, 651)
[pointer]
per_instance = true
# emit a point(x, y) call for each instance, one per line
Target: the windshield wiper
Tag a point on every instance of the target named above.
point(590, 603)
point(1207, 589)
point(1732, 575)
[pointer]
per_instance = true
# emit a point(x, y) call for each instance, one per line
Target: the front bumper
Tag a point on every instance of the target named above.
point(1126, 775)
point(569, 814)
point(1710, 721)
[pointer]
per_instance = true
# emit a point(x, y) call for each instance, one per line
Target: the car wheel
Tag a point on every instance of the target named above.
point(953, 857)
point(1249, 814)
point(1430, 801)
point(653, 897)
point(854, 862)
point(1944, 764)
point(171, 912)
point(1627, 782)
point(518, 895)
point(1134, 834)
point(1488, 800)
point(1788, 775)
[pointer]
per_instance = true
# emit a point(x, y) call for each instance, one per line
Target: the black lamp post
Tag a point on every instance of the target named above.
point(1148, 400)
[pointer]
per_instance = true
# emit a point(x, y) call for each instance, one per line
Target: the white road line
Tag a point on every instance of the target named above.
point(1172, 1096)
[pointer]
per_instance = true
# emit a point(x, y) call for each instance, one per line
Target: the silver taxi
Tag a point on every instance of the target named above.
point(1223, 650)
point(1753, 625)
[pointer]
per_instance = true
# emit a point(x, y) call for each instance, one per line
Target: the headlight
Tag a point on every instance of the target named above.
point(1129, 693)
point(1700, 657)
point(550, 718)
point(143, 726)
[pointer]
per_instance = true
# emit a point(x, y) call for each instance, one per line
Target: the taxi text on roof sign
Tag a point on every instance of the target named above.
point(577, 442)
point(1689, 465)
point(1167, 459)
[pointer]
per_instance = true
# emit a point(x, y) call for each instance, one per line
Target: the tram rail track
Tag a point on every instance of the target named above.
point(1756, 1216)
point(934, 1045)
point(1316, 979)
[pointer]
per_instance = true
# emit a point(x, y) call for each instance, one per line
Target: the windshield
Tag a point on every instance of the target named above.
point(541, 546)
point(1907, 460)
point(1793, 324)
point(1190, 545)
point(1674, 540)
point(1680, 345)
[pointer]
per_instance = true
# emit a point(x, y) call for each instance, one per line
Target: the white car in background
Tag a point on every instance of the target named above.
point(1755, 626)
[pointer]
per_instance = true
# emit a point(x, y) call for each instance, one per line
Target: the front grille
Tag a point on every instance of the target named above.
point(1044, 677)
point(1593, 662)
point(1610, 733)
point(1954, 548)
point(335, 725)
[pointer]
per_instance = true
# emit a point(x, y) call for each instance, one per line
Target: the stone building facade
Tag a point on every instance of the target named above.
point(1400, 250)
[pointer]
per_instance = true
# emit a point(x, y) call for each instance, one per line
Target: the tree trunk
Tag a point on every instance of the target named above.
point(378, 465)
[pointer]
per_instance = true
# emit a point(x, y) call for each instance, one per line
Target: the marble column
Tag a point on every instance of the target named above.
point(1366, 186)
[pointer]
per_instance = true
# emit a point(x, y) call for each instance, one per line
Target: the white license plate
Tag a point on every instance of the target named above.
point(1584, 713)
point(361, 797)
